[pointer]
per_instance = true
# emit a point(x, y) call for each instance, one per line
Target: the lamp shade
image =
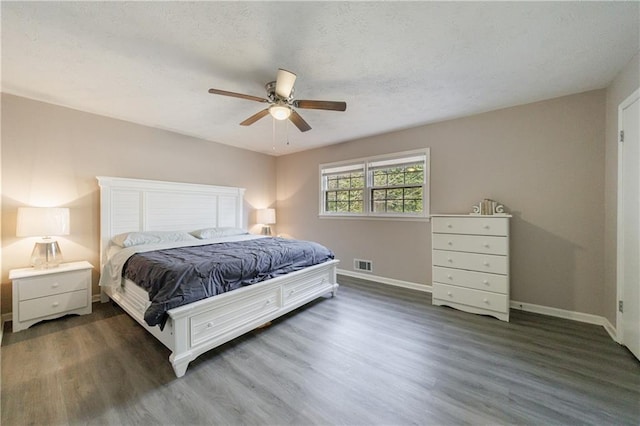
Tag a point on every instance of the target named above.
point(266, 216)
point(42, 222)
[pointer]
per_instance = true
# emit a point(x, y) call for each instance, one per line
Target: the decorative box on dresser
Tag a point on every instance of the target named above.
point(42, 294)
point(470, 259)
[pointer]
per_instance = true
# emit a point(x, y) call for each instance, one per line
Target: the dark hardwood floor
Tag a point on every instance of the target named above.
point(374, 354)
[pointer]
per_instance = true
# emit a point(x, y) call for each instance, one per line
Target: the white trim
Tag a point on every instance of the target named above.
point(423, 153)
point(521, 306)
point(609, 328)
point(619, 217)
point(390, 281)
point(558, 313)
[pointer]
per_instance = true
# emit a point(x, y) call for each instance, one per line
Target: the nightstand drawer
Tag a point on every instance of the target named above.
point(471, 243)
point(46, 285)
point(50, 305)
point(471, 225)
point(471, 261)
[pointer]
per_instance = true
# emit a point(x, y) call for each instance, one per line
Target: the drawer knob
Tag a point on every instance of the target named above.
point(486, 226)
point(209, 324)
point(485, 263)
point(485, 282)
point(486, 301)
point(449, 293)
point(449, 259)
point(267, 302)
point(450, 243)
point(449, 225)
point(55, 304)
point(55, 285)
point(486, 245)
point(449, 276)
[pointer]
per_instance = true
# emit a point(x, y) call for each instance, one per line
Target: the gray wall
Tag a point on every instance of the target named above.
point(51, 156)
point(544, 161)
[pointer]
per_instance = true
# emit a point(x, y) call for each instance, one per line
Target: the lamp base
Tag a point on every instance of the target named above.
point(266, 230)
point(46, 255)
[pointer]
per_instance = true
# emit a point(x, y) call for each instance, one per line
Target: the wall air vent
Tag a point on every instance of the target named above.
point(362, 265)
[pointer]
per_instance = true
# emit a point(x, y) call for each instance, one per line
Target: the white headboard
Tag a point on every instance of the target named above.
point(128, 205)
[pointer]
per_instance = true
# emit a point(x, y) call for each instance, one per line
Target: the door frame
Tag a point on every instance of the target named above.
point(619, 229)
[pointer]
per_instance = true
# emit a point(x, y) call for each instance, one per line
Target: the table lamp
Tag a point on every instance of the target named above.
point(266, 217)
point(43, 222)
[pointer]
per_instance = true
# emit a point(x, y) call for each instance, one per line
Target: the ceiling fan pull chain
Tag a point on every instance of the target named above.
point(273, 134)
point(287, 132)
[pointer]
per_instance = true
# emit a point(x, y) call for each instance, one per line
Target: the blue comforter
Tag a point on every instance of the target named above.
point(178, 276)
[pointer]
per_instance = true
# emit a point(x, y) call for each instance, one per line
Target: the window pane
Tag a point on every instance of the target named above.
point(394, 194)
point(395, 184)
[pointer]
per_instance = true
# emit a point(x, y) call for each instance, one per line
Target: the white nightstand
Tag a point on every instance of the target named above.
point(41, 294)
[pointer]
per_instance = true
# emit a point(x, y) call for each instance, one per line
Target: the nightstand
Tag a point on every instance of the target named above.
point(41, 294)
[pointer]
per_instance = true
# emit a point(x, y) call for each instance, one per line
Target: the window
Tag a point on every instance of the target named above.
point(393, 185)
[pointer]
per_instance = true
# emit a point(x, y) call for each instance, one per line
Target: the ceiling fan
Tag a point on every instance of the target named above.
point(280, 98)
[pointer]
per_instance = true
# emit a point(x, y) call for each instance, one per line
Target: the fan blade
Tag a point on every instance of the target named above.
point(327, 105)
point(284, 83)
point(299, 121)
point(237, 95)
point(255, 117)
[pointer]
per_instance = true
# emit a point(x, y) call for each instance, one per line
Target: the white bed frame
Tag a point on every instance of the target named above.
point(128, 205)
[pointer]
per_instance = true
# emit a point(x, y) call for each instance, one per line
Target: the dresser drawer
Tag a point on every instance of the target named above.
point(470, 225)
point(50, 305)
point(46, 285)
point(475, 298)
point(471, 243)
point(471, 279)
point(217, 322)
point(475, 262)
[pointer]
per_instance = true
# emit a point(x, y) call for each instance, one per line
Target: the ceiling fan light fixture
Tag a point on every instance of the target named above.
point(280, 112)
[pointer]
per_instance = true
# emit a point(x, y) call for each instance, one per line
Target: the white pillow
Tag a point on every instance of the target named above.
point(129, 239)
point(208, 233)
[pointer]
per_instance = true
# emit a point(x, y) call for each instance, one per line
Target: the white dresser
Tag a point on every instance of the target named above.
point(41, 294)
point(470, 259)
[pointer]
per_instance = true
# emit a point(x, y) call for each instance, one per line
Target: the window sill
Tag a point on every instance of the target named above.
point(372, 217)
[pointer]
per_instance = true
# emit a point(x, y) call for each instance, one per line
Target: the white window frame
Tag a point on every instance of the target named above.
point(364, 164)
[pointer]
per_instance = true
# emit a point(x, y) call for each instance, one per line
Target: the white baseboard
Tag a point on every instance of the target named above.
point(555, 312)
point(383, 280)
point(611, 330)
point(527, 307)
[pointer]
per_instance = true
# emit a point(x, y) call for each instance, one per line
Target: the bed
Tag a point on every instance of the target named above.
point(136, 205)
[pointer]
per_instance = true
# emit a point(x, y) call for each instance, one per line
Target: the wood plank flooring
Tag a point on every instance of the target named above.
point(373, 355)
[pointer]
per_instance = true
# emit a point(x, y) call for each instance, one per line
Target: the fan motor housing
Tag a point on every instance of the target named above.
point(270, 87)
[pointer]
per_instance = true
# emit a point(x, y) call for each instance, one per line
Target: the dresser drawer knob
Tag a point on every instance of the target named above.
point(485, 300)
point(450, 243)
point(209, 325)
point(450, 260)
point(485, 245)
point(449, 276)
point(485, 263)
point(449, 225)
point(55, 304)
point(55, 285)
point(449, 294)
point(486, 282)
point(486, 226)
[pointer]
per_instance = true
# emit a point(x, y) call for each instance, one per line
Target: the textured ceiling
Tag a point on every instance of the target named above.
point(396, 64)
